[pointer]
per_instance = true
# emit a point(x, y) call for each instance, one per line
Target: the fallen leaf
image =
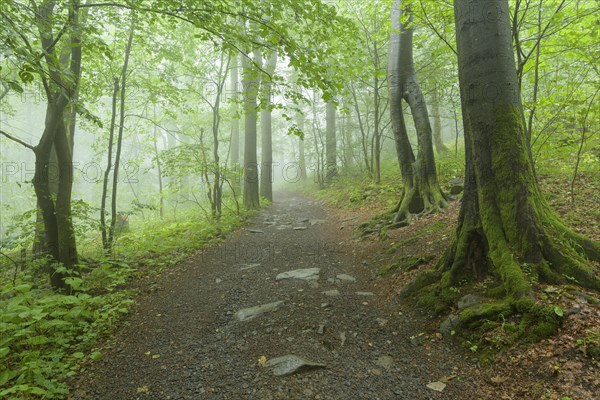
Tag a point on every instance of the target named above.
point(497, 380)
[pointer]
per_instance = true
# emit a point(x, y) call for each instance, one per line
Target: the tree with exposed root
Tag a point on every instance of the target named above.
point(507, 234)
point(421, 191)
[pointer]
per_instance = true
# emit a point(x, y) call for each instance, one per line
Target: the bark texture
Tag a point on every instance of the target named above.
point(250, 84)
point(330, 143)
point(506, 229)
point(266, 130)
point(422, 193)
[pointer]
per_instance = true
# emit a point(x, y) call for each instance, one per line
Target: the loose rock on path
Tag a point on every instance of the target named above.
point(233, 339)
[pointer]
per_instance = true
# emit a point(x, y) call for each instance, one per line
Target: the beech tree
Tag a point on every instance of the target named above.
point(266, 171)
point(234, 78)
point(330, 142)
point(506, 228)
point(421, 190)
point(60, 72)
point(250, 84)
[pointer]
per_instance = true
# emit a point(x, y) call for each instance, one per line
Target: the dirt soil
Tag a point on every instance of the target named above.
point(183, 340)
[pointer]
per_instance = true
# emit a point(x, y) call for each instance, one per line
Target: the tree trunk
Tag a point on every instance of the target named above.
point(348, 145)
point(123, 80)
point(61, 91)
point(437, 124)
point(422, 193)
point(301, 119)
point(376, 129)
point(111, 136)
point(330, 143)
point(320, 166)
point(159, 170)
point(217, 190)
point(235, 124)
point(42, 189)
point(506, 228)
point(363, 134)
point(64, 219)
point(250, 82)
point(266, 171)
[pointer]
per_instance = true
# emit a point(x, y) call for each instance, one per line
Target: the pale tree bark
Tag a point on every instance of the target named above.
point(330, 143)
point(437, 123)
point(506, 229)
point(234, 81)
point(250, 83)
point(301, 121)
point(347, 144)
point(364, 133)
point(111, 137)
point(217, 187)
point(266, 127)
point(404, 152)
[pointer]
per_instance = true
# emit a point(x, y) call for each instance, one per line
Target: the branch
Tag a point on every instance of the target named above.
point(14, 139)
point(435, 29)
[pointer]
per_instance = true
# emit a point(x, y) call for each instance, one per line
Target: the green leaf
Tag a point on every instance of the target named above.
point(96, 356)
point(4, 352)
point(559, 311)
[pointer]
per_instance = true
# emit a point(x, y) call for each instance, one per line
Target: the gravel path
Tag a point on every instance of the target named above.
point(185, 340)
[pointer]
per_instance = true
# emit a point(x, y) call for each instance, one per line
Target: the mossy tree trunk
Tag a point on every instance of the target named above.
point(422, 193)
point(506, 228)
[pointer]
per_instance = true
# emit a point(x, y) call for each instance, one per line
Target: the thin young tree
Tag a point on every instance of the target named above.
point(119, 145)
point(330, 142)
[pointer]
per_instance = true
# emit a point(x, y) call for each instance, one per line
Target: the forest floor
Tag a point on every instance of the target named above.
point(184, 339)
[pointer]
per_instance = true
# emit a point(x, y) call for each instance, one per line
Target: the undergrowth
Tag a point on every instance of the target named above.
point(45, 336)
point(492, 325)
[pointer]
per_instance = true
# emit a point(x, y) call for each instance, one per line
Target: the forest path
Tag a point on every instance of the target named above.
point(184, 340)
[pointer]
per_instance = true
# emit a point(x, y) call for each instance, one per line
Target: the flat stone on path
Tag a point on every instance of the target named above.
point(345, 278)
point(252, 312)
point(385, 362)
point(245, 267)
point(299, 228)
point(332, 293)
point(364, 294)
point(307, 274)
point(437, 386)
point(291, 364)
